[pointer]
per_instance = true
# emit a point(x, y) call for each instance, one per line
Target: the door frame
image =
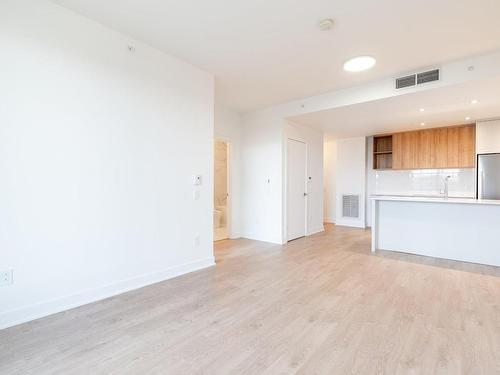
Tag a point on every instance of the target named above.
point(229, 201)
point(285, 192)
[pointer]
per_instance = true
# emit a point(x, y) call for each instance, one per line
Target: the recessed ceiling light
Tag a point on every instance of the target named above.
point(422, 109)
point(467, 118)
point(422, 124)
point(360, 63)
point(474, 101)
point(325, 24)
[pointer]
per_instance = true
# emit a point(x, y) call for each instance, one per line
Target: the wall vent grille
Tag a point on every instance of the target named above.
point(407, 81)
point(430, 76)
point(417, 79)
point(350, 206)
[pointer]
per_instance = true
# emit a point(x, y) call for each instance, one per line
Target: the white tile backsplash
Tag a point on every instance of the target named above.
point(425, 182)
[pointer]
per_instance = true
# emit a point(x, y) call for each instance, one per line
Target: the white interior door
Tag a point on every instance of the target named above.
point(296, 189)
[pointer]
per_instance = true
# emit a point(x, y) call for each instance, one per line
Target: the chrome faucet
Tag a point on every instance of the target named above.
point(446, 186)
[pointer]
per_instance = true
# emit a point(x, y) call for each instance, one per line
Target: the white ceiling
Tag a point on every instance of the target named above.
point(264, 52)
point(443, 107)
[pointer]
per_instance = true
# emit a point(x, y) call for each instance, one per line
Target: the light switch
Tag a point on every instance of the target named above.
point(196, 195)
point(6, 277)
point(197, 180)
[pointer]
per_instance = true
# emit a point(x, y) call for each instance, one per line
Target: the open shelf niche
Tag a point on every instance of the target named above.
point(382, 152)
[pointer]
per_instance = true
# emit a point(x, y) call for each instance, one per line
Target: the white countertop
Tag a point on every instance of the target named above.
point(432, 199)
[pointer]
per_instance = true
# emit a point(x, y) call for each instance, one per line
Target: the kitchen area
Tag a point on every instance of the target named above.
point(436, 192)
point(420, 169)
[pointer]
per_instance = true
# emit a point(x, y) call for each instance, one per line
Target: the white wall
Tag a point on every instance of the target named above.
point(228, 127)
point(98, 148)
point(329, 184)
point(488, 137)
point(314, 141)
point(262, 177)
point(351, 177)
point(371, 176)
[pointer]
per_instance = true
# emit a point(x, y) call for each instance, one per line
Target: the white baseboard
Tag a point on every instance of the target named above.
point(316, 230)
point(42, 309)
point(277, 241)
point(350, 224)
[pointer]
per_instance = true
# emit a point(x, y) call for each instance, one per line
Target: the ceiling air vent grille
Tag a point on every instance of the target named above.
point(407, 81)
point(350, 206)
point(430, 76)
point(417, 79)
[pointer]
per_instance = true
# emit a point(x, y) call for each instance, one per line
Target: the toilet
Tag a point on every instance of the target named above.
point(217, 218)
point(220, 223)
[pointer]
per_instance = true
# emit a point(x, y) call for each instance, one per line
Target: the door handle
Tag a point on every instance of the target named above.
point(482, 185)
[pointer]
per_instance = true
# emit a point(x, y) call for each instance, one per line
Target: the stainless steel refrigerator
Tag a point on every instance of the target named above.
point(488, 176)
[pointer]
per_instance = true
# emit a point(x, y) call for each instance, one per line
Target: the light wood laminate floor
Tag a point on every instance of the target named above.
point(318, 305)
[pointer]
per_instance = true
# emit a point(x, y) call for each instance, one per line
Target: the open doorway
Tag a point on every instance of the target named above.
point(221, 190)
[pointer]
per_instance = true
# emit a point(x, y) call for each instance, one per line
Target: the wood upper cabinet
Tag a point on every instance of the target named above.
point(397, 151)
point(409, 146)
point(461, 146)
point(426, 148)
point(404, 147)
point(441, 148)
point(404, 150)
point(432, 148)
point(452, 147)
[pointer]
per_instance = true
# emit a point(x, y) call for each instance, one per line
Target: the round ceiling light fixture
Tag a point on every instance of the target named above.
point(359, 64)
point(325, 24)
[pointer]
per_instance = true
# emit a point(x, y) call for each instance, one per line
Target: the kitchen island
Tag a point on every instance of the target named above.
point(463, 229)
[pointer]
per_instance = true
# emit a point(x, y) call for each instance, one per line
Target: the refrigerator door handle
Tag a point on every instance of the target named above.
point(482, 185)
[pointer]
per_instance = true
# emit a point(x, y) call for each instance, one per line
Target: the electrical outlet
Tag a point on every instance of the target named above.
point(6, 277)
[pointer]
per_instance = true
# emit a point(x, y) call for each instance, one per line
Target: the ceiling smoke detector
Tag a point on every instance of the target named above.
point(325, 24)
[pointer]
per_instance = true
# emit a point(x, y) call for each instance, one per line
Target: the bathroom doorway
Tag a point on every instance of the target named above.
point(221, 190)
